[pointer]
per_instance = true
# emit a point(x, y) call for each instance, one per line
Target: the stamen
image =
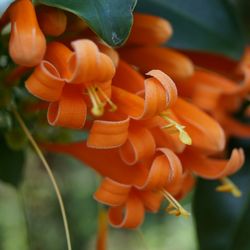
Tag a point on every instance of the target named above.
point(174, 127)
point(174, 206)
point(97, 108)
point(228, 186)
point(107, 99)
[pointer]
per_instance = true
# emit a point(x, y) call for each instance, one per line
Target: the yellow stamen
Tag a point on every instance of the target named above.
point(174, 206)
point(174, 127)
point(107, 99)
point(228, 186)
point(98, 106)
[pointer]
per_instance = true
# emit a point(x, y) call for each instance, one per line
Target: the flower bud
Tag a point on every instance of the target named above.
point(27, 43)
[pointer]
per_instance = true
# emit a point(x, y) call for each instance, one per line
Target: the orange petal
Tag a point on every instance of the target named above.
point(174, 64)
point(128, 78)
point(212, 168)
point(52, 21)
point(107, 162)
point(151, 200)
point(27, 43)
point(187, 184)
point(160, 92)
point(112, 193)
point(149, 30)
point(164, 139)
point(58, 54)
point(167, 83)
point(139, 145)
point(129, 216)
point(165, 170)
point(110, 52)
point(70, 111)
point(205, 132)
point(45, 82)
point(108, 134)
point(214, 62)
point(87, 64)
point(232, 126)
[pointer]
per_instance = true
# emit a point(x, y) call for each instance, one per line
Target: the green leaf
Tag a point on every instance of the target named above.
point(4, 4)
point(11, 164)
point(109, 19)
point(243, 8)
point(206, 25)
point(222, 221)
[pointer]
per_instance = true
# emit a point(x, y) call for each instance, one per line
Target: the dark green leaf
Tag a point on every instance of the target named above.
point(4, 4)
point(110, 19)
point(11, 164)
point(222, 221)
point(207, 25)
point(243, 8)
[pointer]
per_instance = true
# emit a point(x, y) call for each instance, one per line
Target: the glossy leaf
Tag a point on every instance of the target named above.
point(206, 25)
point(110, 19)
point(222, 221)
point(243, 8)
point(11, 164)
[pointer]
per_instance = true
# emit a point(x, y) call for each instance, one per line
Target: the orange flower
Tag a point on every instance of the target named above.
point(148, 55)
point(153, 143)
point(27, 43)
point(52, 21)
point(219, 96)
point(63, 77)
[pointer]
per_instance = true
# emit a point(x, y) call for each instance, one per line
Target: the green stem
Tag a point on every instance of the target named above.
point(48, 169)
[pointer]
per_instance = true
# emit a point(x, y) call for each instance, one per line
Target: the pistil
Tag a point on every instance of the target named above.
point(174, 206)
point(174, 127)
point(228, 186)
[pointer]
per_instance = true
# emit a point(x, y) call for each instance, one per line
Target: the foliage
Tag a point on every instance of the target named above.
point(110, 19)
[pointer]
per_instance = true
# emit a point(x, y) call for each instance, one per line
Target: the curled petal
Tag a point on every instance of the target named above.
point(232, 126)
point(209, 168)
point(70, 111)
point(149, 30)
point(52, 21)
point(131, 215)
point(166, 169)
point(160, 92)
point(140, 145)
point(108, 134)
point(112, 193)
point(27, 43)
point(111, 53)
point(173, 63)
point(58, 54)
point(106, 162)
point(45, 82)
point(205, 132)
point(164, 139)
point(167, 83)
point(187, 184)
point(151, 200)
point(87, 64)
point(128, 78)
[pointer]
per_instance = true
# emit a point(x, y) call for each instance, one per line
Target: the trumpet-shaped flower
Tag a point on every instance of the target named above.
point(27, 43)
point(70, 80)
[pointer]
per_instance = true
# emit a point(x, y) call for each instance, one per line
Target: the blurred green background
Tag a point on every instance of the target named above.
point(30, 217)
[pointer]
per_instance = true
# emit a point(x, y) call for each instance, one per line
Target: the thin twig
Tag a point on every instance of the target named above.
point(48, 169)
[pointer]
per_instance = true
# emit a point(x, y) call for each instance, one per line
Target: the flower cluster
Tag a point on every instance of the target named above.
point(146, 141)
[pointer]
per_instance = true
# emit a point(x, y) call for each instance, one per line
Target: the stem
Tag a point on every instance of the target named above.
point(47, 167)
point(142, 238)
